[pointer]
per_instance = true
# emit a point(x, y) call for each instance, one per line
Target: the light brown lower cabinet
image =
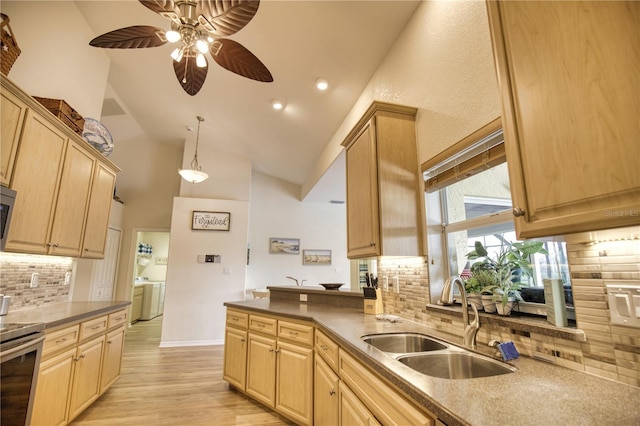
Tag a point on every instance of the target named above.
point(53, 389)
point(325, 394)
point(112, 362)
point(352, 411)
point(79, 363)
point(235, 357)
point(85, 386)
point(326, 388)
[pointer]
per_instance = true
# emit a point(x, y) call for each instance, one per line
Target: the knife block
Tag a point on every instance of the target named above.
point(374, 306)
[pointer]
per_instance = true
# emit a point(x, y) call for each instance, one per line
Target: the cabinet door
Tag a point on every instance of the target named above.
point(352, 411)
point(36, 175)
point(569, 76)
point(261, 369)
point(112, 361)
point(52, 390)
point(363, 224)
point(136, 307)
point(95, 233)
point(235, 357)
point(294, 391)
point(12, 112)
point(73, 198)
point(325, 394)
point(86, 378)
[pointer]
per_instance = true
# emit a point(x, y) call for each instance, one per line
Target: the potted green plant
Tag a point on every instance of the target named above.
point(479, 283)
point(503, 272)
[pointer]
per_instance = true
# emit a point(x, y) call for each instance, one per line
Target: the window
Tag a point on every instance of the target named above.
point(471, 187)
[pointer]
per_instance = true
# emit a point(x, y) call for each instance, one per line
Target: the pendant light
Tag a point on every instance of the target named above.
point(194, 174)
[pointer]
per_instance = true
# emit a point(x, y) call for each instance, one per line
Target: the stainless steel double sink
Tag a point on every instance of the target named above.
point(435, 358)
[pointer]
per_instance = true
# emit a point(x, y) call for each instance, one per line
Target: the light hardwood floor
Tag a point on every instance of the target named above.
point(172, 386)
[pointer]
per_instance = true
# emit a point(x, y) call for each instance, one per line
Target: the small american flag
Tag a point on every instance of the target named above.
point(466, 271)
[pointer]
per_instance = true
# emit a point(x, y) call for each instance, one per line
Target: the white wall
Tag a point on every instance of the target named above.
point(442, 64)
point(56, 61)
point(276, 211)
point(195, 292)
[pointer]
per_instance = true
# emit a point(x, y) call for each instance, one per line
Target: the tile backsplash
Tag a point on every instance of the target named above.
point(15, 279)
point(610, 351)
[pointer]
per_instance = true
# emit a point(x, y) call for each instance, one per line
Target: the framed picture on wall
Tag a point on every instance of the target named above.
point(211, 221)
point(316, 257)
point(284, 245)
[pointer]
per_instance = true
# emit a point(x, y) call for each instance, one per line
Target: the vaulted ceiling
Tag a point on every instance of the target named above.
point(299, 41)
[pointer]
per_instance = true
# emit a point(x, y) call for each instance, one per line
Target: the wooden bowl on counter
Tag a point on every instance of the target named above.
point(332, 286)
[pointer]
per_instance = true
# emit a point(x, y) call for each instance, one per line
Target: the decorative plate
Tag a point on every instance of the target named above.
point(98, 135)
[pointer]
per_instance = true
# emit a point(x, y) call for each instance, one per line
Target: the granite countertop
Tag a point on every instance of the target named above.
point(58, 314)
point(537, 393)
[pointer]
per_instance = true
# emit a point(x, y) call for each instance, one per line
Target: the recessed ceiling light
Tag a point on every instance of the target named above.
point(276, 104)
point(322, 84)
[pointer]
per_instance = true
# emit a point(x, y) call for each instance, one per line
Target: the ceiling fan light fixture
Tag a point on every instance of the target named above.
point(200, 60)
point(172, 36)
point(202, 46)
point(195, 173)
point(322, 84)
point(177, 54)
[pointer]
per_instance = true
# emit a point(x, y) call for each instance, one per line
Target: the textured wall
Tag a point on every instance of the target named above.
point(15, 279)
point(610, 351)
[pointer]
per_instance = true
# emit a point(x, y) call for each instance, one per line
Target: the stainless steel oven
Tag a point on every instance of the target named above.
point(7, 199)
point(20, 351)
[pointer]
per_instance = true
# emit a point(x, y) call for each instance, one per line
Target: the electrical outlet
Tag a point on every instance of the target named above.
point(34, 279)
point(396, 284)
point(67, 278)
point(385, 283)
point(303, 297)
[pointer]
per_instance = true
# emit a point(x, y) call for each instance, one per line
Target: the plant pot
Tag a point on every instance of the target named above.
point(505, 310)
point(476, 299)
point(488, 303)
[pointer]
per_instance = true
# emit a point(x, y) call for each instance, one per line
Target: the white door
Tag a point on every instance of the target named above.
point(104, 270)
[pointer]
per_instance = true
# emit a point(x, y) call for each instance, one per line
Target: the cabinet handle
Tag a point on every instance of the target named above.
point(61, 340)
point(332, 392)
point(371, 243)
point(293, 333)
point(260, 325)
point(95, 327)
point(79, 358)
point(323, 347)
point(86, 250)
point(242, 340)
point(274, 350)
point(518, 212)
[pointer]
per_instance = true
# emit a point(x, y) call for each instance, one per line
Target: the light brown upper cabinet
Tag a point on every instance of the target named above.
point(569, 78)
point(383, 184)
point(13, 112)
point(64, 186)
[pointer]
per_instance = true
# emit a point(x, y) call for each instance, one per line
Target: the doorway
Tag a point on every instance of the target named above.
point(151, 255)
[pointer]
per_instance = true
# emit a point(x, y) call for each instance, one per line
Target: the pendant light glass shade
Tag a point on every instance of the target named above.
point(194, 174)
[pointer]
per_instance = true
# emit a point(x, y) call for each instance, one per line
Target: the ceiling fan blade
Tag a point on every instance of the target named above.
point(190, 76)
point(165, 8)
point(136, 37)
point(226, 17)
point(236, 58)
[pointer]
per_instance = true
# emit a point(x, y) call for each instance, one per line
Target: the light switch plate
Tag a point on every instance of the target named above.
point(34, 280)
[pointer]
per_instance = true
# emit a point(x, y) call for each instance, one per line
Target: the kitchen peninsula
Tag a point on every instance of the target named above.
point(560, 395)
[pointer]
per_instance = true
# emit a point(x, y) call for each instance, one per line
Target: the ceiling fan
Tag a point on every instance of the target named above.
point(198, 27)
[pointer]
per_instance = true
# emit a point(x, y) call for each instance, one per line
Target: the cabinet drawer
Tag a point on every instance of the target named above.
point(237, 319)
point(327, 349)
point(93, 327)
point(263, 324)
point(117, 318)
point(61, 339)
point(293, 332)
